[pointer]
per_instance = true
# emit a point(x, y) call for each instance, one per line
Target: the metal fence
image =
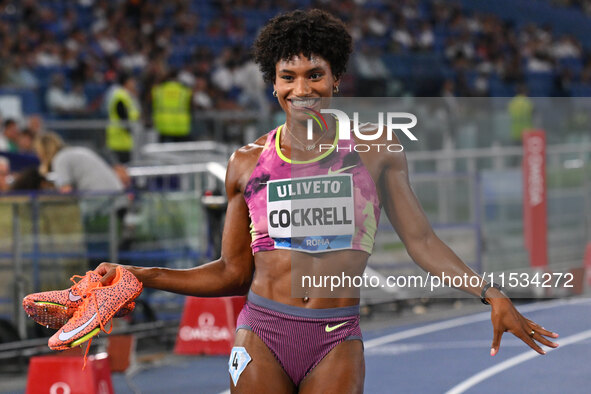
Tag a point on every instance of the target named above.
point(224, 128)
point(478, 210)
point(47, 238)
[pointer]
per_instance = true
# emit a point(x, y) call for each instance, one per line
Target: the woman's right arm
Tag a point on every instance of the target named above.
point(231, 274)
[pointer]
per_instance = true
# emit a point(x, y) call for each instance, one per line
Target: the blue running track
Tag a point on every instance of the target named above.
point(451, 355)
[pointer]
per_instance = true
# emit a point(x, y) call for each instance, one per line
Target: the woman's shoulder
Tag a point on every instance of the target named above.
point(250, 151)
point(244, 159)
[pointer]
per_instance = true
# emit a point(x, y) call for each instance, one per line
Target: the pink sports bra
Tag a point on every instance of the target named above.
point(328, 203)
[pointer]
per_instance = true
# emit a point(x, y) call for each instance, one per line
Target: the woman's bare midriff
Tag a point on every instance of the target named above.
point(278, 275)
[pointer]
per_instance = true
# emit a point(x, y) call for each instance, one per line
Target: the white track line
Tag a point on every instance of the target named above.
point(487, 373)
point(413, 332)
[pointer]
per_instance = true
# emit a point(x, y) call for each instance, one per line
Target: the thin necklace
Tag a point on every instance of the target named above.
point(308, 147)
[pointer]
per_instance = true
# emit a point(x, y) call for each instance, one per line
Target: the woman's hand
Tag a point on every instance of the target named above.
point(107, 271)
point(505, 317)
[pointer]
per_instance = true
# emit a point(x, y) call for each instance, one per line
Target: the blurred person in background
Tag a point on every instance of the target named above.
point(30, 179)
point(521, 110)
point(48, 53)
point(223, 74)
point(124, 113)
point(249, 80)
point(566, 47)
point(426, 38)
point(19, 73)
point(74, 168)
point(201, 98)
point(5, 176)
point(481, 85)
point(402, 39)
point(9, 136)
point(171, 109)
point(63, 103)
point(202, 101)
point(372, 73)
point(78, 102)
point(79, 169)
point(25, 141)
point(35, 124)
point(56, 96)
point(153, 74)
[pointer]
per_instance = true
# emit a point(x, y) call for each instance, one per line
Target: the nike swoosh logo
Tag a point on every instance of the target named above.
point(331, 172)
point(64, 336)
point(329, 329)
point(73, 297)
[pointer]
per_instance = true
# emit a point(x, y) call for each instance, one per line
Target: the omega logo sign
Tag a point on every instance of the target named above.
point(205, 331)
point(535, 163)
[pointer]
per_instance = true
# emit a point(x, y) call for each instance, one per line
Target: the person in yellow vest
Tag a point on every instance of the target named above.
point(521, 111)
point(123, 110)
point(171, 110)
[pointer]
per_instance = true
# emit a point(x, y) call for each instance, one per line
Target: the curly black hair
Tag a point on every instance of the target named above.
point(303, 32)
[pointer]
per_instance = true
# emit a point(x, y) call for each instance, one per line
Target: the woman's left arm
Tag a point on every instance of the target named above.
point(433, 255)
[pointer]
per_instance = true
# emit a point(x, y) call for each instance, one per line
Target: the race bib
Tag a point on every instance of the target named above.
point(239, 359)
point(311, 214)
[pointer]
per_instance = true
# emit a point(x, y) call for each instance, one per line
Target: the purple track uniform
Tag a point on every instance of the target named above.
point(298, 337)
point(321, 205)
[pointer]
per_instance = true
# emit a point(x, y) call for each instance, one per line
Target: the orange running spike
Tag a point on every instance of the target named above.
point(100, 305)
point(53, 309)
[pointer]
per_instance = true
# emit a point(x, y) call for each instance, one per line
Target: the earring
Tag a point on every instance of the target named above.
point(274, 93)
point(335, 89)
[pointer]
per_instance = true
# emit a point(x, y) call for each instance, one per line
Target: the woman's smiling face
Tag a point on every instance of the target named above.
point(301, 83)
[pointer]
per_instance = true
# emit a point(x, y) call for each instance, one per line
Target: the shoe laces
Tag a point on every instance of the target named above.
point(89, 297)
point(77, 280)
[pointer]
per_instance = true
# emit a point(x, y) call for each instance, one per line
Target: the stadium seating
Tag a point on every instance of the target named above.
point(415, 69)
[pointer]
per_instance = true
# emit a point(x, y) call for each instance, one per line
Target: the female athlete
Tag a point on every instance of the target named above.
point(291, 203)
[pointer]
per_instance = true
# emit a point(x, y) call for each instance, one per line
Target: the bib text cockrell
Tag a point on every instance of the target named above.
point(308, 217)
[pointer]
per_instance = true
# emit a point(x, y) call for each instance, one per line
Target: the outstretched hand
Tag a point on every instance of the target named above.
point(505, 317)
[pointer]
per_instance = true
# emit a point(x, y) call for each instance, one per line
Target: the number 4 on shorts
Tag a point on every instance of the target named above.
point(239, 359)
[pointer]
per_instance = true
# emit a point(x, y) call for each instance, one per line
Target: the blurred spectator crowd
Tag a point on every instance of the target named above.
point(71, 51)
point(67, 55)
point(584, 5)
